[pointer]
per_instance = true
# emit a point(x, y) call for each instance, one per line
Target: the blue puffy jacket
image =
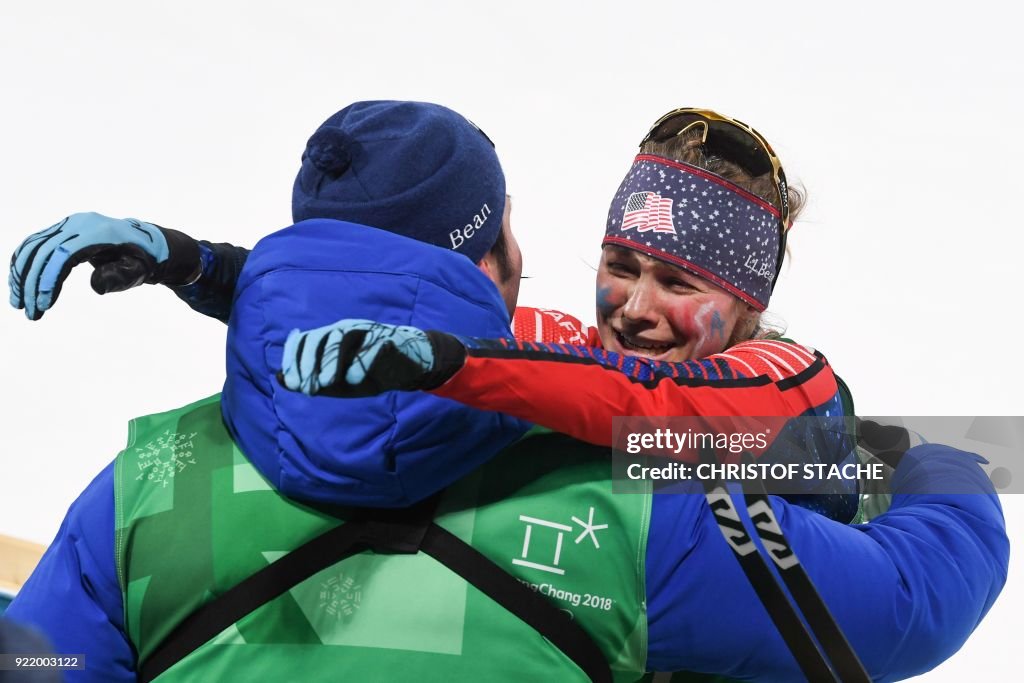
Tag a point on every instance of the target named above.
point(388, 450)
point(907, 588)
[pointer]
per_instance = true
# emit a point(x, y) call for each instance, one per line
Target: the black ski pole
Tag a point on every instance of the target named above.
point(781, 611)
point(837, 648)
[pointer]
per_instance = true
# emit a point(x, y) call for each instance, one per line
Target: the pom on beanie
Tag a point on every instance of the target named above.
point(329, 150)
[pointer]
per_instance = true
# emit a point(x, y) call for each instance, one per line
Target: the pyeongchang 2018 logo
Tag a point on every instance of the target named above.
point(648, 211)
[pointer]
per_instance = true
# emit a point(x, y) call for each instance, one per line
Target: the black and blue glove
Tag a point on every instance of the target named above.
point(354, 358)
point(124, 252)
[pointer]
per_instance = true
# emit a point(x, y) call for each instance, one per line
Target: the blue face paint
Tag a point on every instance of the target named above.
point(718, 326)
point(604, 306)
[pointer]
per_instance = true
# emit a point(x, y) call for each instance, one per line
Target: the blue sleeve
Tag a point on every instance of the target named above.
point(73, 596)
point(907, 589)
point(213, 293)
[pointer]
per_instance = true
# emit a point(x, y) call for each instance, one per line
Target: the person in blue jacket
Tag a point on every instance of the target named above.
point(936, 583)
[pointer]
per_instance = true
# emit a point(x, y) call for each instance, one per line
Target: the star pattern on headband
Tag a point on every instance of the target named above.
point(708, 223)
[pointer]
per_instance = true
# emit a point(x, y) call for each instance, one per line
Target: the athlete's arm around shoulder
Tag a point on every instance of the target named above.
point(578, 390)
point(73, 596)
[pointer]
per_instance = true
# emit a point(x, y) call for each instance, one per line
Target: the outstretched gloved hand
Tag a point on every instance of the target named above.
point(353, 358)
point(124, 252)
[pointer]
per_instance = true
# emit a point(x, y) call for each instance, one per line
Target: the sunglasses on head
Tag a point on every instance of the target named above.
point(733, 141)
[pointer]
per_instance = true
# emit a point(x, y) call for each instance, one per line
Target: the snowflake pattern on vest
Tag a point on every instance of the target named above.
point(165, 456)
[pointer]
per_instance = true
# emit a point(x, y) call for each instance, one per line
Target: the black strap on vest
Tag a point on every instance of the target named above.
point(506, 590)
point(405, 531)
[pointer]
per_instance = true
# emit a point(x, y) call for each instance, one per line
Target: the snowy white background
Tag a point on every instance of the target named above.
point(903, 121)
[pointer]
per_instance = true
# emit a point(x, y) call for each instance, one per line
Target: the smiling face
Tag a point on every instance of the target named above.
point(646, 307)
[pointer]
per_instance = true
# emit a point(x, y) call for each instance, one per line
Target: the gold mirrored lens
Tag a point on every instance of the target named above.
point(734, 140)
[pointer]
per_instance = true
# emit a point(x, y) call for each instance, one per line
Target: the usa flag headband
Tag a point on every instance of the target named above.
point(699, 221)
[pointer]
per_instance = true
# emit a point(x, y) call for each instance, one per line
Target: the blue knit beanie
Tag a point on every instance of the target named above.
point(413, 168)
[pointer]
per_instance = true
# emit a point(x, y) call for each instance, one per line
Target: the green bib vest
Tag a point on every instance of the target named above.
point(194, 518)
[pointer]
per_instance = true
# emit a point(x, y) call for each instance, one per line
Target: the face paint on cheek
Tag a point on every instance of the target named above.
point(605, 303)
point(718, 327)
point(706, 327)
